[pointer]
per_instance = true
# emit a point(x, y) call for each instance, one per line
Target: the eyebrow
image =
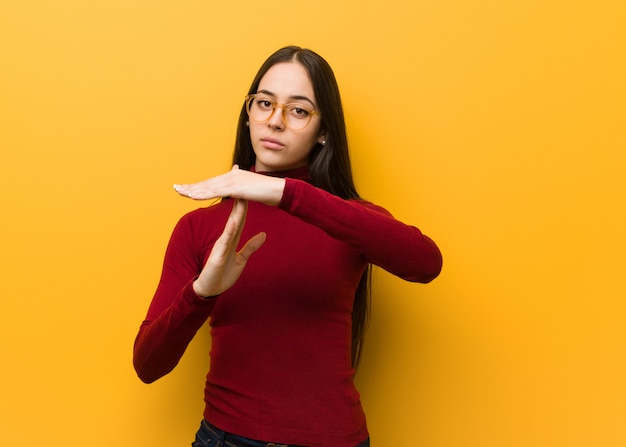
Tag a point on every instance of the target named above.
point(291, 98)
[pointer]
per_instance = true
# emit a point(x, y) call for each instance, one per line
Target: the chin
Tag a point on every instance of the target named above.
point(264, 165)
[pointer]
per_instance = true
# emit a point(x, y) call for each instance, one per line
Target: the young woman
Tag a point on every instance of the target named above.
point(280, 268)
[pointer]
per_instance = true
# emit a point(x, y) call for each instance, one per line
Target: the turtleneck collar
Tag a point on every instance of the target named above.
point(301, 173)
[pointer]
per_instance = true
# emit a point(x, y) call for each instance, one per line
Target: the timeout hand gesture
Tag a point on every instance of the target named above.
point(225, 264)
point(237, 184)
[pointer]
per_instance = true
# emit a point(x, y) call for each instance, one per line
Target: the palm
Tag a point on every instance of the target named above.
point(225, 264)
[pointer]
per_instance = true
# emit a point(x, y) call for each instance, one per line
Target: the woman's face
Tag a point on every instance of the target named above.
point(276, 146)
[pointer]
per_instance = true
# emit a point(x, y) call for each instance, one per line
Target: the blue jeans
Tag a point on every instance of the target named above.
point(210, 436)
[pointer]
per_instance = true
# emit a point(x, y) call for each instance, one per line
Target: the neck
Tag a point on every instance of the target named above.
point(300, 173)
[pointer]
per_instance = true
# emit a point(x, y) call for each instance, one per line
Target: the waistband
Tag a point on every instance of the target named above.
point(231, 440)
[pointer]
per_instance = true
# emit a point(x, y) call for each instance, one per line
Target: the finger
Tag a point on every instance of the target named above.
point(211, 188)
point(239, 213)
point(253, 244)
point(225, 244)
point(197, 191)
point(193, 191)
point(183, 190)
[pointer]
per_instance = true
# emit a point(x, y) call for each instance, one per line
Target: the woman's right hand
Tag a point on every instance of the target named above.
point(237, 184)
point(225, 264)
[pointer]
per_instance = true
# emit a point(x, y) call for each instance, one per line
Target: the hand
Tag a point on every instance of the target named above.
point(225, 264)
point(237, 184)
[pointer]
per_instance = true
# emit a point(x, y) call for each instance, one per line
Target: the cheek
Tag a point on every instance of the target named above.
point(254, 131)
point(307, 143)
point(312, 136)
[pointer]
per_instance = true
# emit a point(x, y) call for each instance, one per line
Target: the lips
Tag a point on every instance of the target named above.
point(272, 143)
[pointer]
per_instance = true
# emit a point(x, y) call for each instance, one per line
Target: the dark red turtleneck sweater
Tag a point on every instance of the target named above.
point(280, 358)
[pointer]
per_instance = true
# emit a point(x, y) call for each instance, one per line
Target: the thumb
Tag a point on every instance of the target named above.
point(253, 244)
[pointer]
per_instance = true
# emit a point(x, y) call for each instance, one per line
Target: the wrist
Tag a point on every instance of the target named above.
point(201, 293)
point(279, 189)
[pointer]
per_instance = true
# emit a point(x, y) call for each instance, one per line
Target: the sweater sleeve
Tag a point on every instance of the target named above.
point(176, 312)
point(384, 241)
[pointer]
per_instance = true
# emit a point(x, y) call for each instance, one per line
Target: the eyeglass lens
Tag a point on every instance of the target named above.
point(295, 116)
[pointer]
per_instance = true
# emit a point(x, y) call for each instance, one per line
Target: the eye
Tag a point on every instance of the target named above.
point(298, 111)
point(264, 103)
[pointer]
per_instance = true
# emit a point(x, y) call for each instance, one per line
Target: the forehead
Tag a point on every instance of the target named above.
point(286, 80)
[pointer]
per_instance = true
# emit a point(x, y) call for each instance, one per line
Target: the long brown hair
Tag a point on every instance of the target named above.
point(329, 164)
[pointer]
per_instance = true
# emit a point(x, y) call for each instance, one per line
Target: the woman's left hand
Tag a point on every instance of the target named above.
point(237, 184)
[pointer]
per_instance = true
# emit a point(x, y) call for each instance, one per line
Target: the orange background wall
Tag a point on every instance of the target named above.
point(497, 127)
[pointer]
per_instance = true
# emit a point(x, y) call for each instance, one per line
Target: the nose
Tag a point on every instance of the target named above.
point(276, 119)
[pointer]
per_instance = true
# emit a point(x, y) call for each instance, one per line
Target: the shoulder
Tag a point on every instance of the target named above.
point(207, 216)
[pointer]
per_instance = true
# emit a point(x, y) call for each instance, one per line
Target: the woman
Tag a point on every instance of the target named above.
point(280, 267)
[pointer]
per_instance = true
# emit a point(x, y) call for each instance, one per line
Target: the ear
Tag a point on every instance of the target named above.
point(322, 139)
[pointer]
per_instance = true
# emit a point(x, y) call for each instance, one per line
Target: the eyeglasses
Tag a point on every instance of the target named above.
point(261, 108)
